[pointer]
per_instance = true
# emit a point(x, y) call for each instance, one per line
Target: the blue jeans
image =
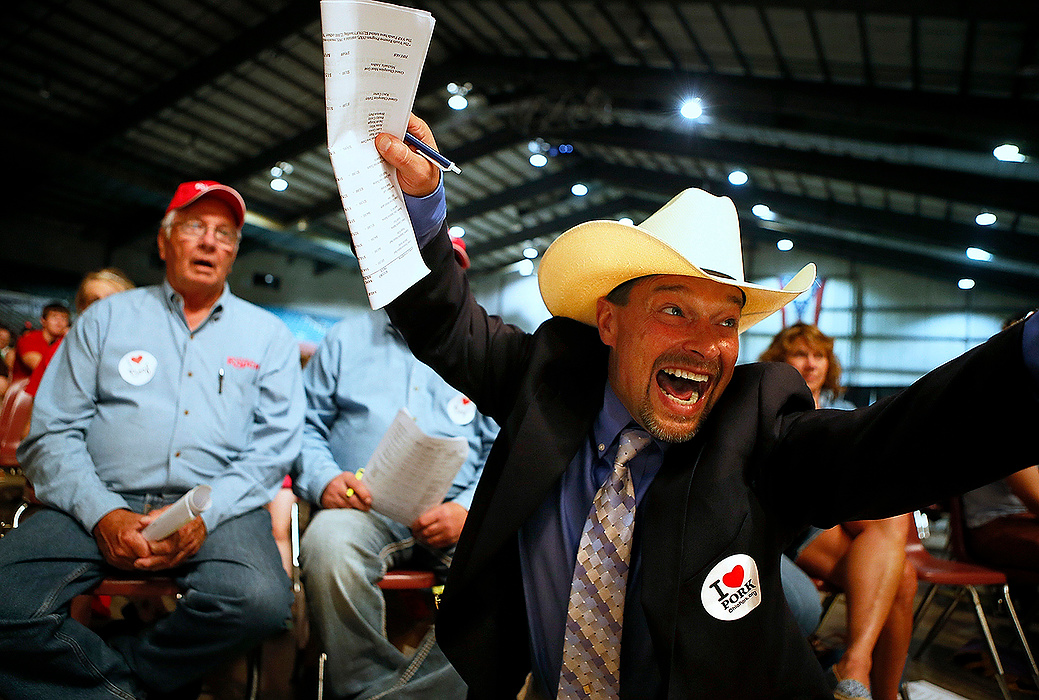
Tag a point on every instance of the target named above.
point(236, 593)
point(344, 553)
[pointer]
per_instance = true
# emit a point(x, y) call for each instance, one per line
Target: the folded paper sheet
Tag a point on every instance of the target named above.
point(410, 471)
point(373, 58)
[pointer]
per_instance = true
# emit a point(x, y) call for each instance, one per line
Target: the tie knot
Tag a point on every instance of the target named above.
point(631, 441)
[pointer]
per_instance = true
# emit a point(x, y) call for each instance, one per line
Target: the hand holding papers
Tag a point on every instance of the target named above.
point(373, 57)
point(410, 471)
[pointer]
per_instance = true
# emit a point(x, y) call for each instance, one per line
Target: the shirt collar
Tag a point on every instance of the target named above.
point(612, 419)
point(175, 301)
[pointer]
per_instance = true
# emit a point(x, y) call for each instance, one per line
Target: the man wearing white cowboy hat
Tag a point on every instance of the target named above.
point(625, 538)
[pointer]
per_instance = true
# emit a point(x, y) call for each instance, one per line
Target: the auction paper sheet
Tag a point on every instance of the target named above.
point(411, 471)
point(374, 54)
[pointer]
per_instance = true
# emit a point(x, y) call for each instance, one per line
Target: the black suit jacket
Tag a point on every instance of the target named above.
point(769, 464)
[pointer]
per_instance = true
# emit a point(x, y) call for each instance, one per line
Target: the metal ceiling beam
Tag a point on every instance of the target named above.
point(885, 224)
point(855, 111)
point(849, 245)
point(1006, 10)
point(968, 188)
point(243, 47)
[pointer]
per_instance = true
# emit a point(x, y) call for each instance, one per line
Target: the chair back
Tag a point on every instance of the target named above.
point(14, 418)
point(957, 538)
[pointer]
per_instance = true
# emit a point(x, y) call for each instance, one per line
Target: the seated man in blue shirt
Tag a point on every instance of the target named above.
point(153, 392)
point(625, 538)
point(360, 376)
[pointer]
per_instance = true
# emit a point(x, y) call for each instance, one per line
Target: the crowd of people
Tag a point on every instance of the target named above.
point(629, 509)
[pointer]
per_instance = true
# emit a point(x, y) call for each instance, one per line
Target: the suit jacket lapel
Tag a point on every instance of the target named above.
point(548, 436)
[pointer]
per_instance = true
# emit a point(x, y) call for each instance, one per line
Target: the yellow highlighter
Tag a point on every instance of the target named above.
point(359, 473)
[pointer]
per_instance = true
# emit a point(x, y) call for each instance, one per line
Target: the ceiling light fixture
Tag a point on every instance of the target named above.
point(525, 267)
point(985, 218)
point(279, 184)
point(738, 177)
point(458, 100)
point(692, 109)
point(1008, 153)
point(762, 211)
point(456, 231)
point(579, 190)
point(785, 244)
point(538, 160)
point(530, 252)
point(979, 254)
point(965, 283)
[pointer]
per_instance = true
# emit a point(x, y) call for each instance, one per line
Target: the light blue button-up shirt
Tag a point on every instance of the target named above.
point(360, 376)
point(136, 403)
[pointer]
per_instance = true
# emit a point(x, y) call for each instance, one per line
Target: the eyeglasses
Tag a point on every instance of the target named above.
point(194, 228)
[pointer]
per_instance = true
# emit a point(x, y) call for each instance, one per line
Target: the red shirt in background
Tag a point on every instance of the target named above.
point(33, 341)
point(37, 374)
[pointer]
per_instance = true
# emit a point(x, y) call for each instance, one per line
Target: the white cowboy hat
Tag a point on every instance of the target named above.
point(589, 260)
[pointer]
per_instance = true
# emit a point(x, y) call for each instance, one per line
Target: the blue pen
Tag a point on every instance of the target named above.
point(430, 153)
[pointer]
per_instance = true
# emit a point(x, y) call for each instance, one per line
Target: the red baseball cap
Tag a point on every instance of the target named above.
point(188, 192)
point(463, 257)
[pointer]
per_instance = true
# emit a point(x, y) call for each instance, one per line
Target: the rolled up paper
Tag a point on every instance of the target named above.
point(187, 508)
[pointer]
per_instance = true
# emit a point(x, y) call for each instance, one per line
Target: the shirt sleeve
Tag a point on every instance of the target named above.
point(54, 455)
point(1030, 348)
point(427, 213)
point(317, 466)
point(256, 474)
point(488, 431)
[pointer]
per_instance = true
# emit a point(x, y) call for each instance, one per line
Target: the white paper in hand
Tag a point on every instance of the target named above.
point(373, 56)
point(410, 471)
point(187, 508)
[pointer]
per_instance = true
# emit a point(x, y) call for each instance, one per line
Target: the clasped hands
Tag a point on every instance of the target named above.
point(123, 545)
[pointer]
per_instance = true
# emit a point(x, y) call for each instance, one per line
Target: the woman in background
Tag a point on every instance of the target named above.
point(864, 558)
point(94, 286)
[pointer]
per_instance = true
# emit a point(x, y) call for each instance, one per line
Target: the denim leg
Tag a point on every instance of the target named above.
point(44, 653)
point(237, 594)
point(343, 555)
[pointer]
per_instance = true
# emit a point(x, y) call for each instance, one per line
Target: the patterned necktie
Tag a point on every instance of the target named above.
point(592, 643)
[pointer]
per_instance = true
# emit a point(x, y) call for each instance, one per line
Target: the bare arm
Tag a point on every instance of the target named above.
point(1025, 485)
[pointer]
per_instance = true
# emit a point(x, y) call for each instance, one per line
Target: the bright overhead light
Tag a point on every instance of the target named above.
point(457, 102)
point(538, 160)
point(965, 283)
point(277, 172)
point(692, 109)
point(525, 267)
point(456, 231)
point(1008, 153)
point(763, 212)
point(530, 252)
point(785, 244)
point(979, 254)
point(279, 184)
point(738, 177)
point(985, 218)
point(626, 221)
point(579, 190)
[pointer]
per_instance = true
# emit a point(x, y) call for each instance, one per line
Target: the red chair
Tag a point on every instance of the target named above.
point(14, 419)
point(14, 423)
point(964, 577)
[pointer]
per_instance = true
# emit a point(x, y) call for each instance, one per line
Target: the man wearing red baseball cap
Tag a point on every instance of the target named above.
point(156, 391)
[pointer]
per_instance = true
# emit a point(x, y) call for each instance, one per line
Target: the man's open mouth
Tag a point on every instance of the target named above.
point(682, 385)
point(203, 263)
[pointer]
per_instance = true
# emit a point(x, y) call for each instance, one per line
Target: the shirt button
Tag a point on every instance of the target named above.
point(177, 454)
point(190, 374)
point(601, 447)
point(185, 413)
